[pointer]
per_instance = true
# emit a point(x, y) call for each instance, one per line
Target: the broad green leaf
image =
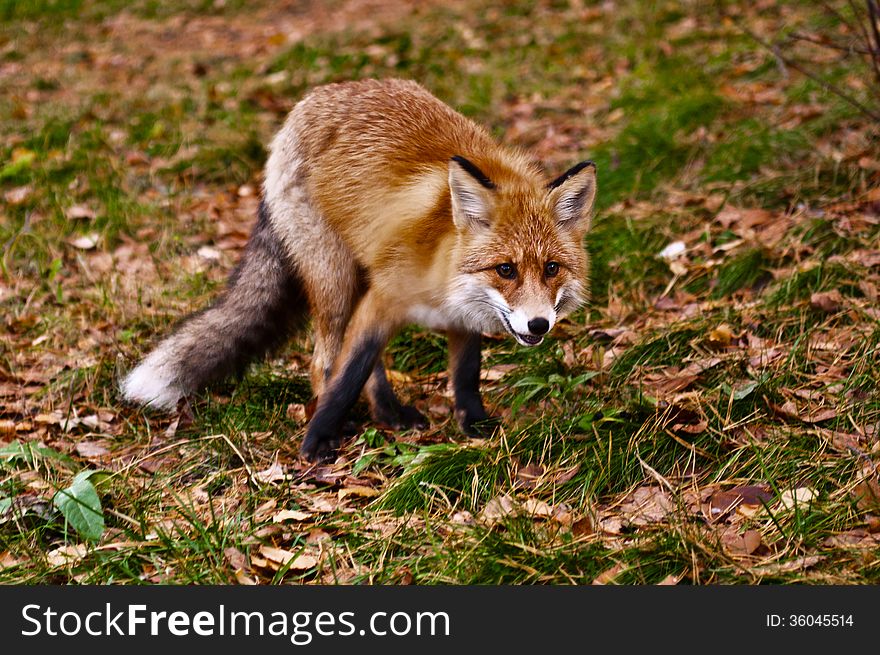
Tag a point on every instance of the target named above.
point(81, 506)
point(29, 453)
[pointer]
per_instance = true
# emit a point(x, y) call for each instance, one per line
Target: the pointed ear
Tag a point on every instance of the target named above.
point(472, 194)
point(572, 194)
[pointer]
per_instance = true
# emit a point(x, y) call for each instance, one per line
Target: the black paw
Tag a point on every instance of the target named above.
point(402, 417)
point(476, 423)
point(318, 447)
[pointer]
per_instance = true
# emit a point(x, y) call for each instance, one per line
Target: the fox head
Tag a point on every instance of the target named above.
point(521, 260)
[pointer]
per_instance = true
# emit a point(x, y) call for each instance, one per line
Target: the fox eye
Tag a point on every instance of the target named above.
point(551, 269)
point(505, 270)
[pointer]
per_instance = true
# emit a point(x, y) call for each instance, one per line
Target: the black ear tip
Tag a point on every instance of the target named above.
point(571, 172)
point(474, 171)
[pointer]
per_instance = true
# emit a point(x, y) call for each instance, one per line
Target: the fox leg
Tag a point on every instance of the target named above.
point(367, 334)
point(386, 407)
point(464, 372)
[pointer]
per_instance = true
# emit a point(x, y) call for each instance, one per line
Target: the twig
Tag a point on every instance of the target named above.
point(875, 64)
point(247, 466)
point(874, 18)
point(828, 86)
point(831, 44)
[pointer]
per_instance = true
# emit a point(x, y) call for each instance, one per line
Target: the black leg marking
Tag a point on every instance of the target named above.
point(323, 434)
point(386, 407)
point(464, 356)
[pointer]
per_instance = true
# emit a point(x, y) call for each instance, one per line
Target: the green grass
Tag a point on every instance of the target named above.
point(688, 378)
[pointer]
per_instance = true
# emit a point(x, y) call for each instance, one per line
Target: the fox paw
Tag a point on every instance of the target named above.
point(318, 447)
point(478, 425)
point(402, 417)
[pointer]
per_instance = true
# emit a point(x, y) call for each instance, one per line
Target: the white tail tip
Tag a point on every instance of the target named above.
point(150, 384)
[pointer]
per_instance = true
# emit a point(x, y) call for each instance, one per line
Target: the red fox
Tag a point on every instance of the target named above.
point(382, 206)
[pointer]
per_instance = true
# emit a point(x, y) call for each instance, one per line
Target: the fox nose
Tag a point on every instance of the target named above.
point(538, 326)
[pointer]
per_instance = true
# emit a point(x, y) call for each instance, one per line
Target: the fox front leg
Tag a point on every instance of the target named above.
point(464, 372)
point(365, 339)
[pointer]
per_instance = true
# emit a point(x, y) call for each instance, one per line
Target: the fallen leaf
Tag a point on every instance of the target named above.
point(647, 504)
point(497, 508)
point(798, 564)
point(278, 558)
point(799, 497)
point(858, 538)
point(79, 212)
point(867, 495)
point(363, 492)
point(275, 473)
point(8, 560)
point(237, 559)
point(827, 301)
point(243, 578)
point(85, 242)
point(18, 195)
point(65, 555)
point(582, 527)
point(527, 476)
point(89, 449)
point(608, 575)
point(536, 508)
point(673, 251)
point(720, 337)
point(291, 515)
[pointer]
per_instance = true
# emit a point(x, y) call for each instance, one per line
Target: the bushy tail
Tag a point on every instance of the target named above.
point(264, 302)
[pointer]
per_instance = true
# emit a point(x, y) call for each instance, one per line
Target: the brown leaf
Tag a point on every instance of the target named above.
point(810, 415)
point(80, 212)
point(798, 564)
point(563, 476)
point(290, 515)
point(858, 539)
point(528, 475)
point(800, 497)
point(827, 301)
point(236, 559)
point(363, 492)
point(275, 473)
point(739, 219)
point(741, 544)
point(720, 337)
point(8, 560)
point(647, 504)
point(670, 580)
point(277, 558)
point(90, 449)
point(18, 195)
point(536, 508)
point(867, 495)
point(85, 242)
point(607, 576)
point(582, 527)
point(497, 508)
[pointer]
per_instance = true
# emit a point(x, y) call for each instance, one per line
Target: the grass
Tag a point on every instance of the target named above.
point(129, 177)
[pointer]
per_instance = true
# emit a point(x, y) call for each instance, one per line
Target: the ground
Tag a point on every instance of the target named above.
point(711, 417)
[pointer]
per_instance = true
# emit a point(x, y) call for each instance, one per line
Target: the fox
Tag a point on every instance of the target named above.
point(381, 207)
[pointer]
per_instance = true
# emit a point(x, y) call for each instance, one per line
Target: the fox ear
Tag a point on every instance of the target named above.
point(572, 195)
point(471, 193)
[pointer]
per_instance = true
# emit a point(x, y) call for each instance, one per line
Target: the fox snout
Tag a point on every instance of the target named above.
point(528, 326)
